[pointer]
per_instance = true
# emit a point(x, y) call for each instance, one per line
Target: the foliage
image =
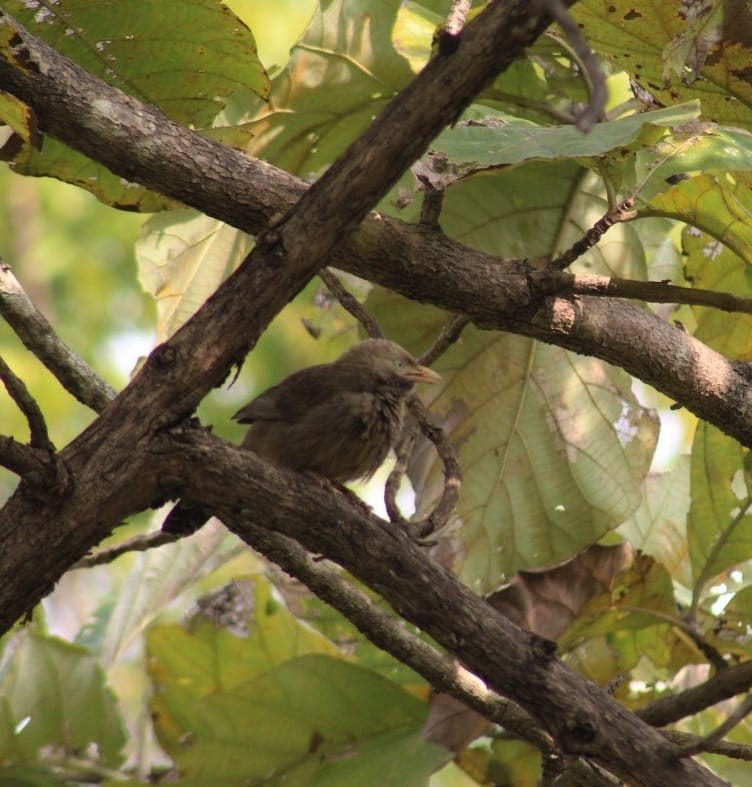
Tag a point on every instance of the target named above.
point(556, 448)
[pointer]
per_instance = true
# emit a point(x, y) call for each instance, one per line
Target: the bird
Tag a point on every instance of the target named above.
point(336, 421)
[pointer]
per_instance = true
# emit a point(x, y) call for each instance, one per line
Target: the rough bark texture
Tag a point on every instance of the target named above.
point(134, 455)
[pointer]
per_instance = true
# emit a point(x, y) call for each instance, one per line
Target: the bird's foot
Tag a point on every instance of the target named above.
point(419, 532)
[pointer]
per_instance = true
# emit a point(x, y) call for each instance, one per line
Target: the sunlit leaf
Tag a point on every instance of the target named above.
point(158, 577)
point(339, 77)
point(553, 446)
point(501, 140)
point(183, 256)
point(638, 37)
point(184, 56)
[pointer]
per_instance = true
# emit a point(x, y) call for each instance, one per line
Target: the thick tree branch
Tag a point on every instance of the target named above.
point(583, 719)
point(131, 456)
point(139, 143)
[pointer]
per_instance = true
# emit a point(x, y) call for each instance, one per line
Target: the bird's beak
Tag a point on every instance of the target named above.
point(422, 374)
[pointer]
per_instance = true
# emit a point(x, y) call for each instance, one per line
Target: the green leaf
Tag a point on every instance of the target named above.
point(542, 85)
point(209, 659)
point(314, 719)
point(638, 36)
point(501, 140)
point(719, 204)
point(29, 776)
point(158, 577)
point(183, 256)
point(659, 526)
point(340, 75)
point(720, 516)
point(57, 696)
point(709, 265)
point(184, 56)
point(642, 597)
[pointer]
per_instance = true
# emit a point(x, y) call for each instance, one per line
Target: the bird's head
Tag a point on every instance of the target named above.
point(385, 362)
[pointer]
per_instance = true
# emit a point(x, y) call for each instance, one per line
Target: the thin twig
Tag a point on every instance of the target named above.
point(403, 449)
point(655, 292)
point(722, 686)
point(735, 751)
point(622, 212)
point(457, 16)
point(448, 37)
point(33, 464)
point(450, 333)
point(594, 111)
point(430, 208)
point(19, 393)
point(697, 747)
point(351, 304)
point(40, 338)
point(136, 544)
point(452, 471)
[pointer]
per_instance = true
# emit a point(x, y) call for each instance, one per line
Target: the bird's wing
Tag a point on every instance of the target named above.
point(295, 396)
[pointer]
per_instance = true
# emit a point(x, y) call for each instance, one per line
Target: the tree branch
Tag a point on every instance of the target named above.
point(442, 672)
point(654, 292)
point(709, 741)
point(722, 686)
point(19, 393)
point(583, 720)
point(39, 337)
point(139, 143)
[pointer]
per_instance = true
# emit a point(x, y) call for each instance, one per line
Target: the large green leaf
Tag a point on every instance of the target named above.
point(208, 659)
point(501, 140)
point(553, 446)
point(709, 265)
point(183, 256)
point(339, 77)
point(55, 695)
point(310, 720)
point(543, 85)
point(157, 578)
point(184, 56)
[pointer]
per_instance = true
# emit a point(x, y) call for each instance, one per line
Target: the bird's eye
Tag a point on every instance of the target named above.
point(400, 364)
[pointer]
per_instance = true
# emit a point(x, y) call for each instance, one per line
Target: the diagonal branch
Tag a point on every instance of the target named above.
point(38, 336)
point(19, 393)
point(583, 719)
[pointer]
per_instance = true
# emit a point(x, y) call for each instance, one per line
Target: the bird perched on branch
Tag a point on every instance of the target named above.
point(336, 420)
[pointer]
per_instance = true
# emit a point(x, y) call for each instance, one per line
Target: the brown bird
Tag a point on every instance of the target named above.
point(337, 420)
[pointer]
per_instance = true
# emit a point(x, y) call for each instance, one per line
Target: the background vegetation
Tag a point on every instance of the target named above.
point(127, 670)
